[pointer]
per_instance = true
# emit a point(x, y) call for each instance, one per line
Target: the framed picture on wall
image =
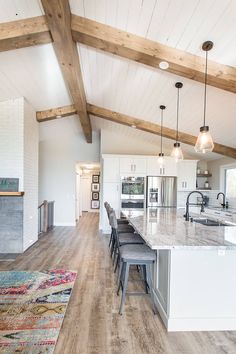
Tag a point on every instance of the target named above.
point(95, 196)
point(95, 187)
point(95, 204)
point(95, 178)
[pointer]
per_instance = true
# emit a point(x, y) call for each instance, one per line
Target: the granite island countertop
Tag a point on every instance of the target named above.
point(166, 228)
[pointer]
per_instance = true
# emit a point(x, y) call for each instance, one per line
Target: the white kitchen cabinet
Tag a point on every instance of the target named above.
point(130, 165)
point(111, 169)
point(167, 169)
point(111, 194)
point(186, 173)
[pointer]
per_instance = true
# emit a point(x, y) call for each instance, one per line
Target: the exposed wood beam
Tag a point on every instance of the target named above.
point(151, 53)
point(154, 128)
point(24, 33)
point(59, 21)
point(129, 121)
point(55, 113)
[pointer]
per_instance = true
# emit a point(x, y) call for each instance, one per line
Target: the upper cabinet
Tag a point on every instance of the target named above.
point(129, 165)
point(169, 167)
point(186, 170)
point(111, 169)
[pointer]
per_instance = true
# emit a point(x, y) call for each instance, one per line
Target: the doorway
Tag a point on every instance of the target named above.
point(87, 188)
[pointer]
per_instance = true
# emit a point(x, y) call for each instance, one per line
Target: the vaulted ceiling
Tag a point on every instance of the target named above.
point(123, 85)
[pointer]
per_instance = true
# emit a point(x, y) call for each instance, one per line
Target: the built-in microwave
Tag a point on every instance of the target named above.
point(132, 192)
point(132, 187)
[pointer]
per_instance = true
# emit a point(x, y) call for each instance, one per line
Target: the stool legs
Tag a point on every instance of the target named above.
point(149, 281)
point(125, 283)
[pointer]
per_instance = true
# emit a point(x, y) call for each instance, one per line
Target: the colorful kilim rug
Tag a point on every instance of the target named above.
point(32, 308)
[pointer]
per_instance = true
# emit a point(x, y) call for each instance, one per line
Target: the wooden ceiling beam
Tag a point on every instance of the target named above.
point(59, 22)
point(55, 113)
point(130, 46)
point(140, 124)
point(24, 33)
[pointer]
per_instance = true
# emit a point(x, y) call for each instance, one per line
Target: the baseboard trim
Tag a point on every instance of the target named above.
point(65, 223)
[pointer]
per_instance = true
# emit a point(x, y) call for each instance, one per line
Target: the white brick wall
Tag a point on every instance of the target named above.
point(19, 158)
point(30, 234)
point(11, 139)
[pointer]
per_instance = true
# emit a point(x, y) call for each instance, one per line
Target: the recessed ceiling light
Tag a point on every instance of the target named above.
point(163, 65)
point(58, 116)
point(133, 125)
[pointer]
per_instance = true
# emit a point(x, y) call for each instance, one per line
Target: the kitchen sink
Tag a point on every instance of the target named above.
point(210, 222)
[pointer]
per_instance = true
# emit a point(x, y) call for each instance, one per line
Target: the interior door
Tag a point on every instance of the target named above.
point(85, 188)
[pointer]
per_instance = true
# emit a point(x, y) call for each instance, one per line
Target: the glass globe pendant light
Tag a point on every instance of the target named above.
point(177, 153)
point(161, 159)
point(204, 141)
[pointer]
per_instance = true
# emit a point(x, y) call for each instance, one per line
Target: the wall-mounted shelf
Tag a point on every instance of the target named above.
point(204, 175)
point(203, 189)
point(11, 194)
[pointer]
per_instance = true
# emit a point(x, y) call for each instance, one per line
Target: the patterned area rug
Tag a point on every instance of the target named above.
point(32, 308)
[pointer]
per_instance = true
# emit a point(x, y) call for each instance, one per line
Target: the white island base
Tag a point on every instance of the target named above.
point(196, 289)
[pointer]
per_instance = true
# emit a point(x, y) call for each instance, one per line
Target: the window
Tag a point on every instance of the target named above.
point(230, 183)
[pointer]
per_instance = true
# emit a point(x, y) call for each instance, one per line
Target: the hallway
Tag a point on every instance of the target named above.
point(92, 323)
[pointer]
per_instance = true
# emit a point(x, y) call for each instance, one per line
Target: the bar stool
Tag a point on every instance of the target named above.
point(138, 255)
point(122, 228)
point(132, 238)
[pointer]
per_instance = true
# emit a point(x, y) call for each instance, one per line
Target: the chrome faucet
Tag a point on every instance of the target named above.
point(186, 215)
point(224, 203)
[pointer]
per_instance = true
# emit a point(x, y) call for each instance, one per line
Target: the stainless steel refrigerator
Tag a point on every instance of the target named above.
point(161, 191)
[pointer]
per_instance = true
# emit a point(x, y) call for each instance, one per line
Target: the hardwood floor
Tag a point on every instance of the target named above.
point(92, 323)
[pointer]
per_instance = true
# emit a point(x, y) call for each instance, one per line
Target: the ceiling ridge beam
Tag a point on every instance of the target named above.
point(24, 33)
point(59, 22)
point(142, 50)
point(124, 119)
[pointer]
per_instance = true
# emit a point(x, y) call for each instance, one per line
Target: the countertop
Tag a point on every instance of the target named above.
point(166, 228)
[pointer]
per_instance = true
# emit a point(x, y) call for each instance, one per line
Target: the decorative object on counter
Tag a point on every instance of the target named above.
point(95, 179)
point(95, 204)
point(161, 159)
point(95, 187)
point(206, 184)
point(95, 196)
point(223, 204)
point(9, 184)
point(177, 153)
point(206, 172)
point(204, 141)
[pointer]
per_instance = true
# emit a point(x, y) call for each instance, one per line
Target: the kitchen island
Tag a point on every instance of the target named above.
point(194, 276)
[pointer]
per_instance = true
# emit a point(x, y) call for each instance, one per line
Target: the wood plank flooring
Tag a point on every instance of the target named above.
point(92, 323)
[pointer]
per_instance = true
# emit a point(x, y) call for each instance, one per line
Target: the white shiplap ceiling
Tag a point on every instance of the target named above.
point(123, 85)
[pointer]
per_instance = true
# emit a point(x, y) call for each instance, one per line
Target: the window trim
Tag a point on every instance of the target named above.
point(223, 169)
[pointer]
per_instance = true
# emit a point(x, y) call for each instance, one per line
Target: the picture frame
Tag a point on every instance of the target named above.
point(95, 187)
point(95, 196)
point(95, 204)
point(95, 178)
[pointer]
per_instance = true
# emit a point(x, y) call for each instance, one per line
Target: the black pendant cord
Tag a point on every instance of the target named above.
point(161, 128)
point(177, 124)
point(205, 92)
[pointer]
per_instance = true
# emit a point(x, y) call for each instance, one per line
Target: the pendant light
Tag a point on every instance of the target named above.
point(204, 141)
point(177, 153)
point(161, 159)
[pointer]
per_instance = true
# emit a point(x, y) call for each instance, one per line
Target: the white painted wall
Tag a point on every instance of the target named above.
point(215, 166)
point(117, 143)
point(62, 144)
